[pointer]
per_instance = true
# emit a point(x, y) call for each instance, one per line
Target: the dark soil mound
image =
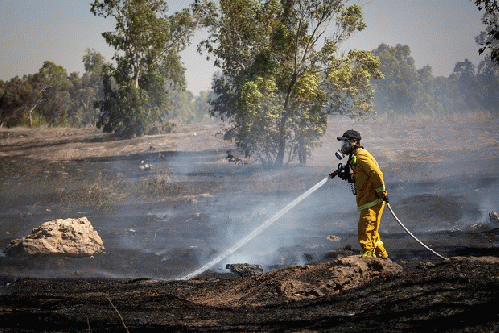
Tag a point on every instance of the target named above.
point(458, 295)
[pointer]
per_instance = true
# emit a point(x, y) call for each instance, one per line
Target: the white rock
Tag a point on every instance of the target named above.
point(69, 237)
point(494, 217)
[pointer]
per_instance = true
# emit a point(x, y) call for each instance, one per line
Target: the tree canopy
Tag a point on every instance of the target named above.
point(406, 90)
point(147, 43)
point(53, 97)
point(488, 40)
point(281, 72)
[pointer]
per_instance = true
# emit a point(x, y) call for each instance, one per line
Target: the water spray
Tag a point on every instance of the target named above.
point(268, 223)
point(255, 232)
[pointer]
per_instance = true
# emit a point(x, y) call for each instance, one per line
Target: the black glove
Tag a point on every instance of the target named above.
point(344, 172)
point(385, 199)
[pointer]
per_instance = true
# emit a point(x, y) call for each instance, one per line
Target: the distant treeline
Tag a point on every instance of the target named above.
point(407, 90)
point(54, 98)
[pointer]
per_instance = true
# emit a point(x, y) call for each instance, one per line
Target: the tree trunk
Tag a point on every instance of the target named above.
point(30, 113)
point(302, 154)
point(136, 73)
point(279, 160)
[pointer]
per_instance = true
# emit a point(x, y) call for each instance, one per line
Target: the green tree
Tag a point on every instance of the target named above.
point(280, 75)
point(488, 40)
point(425, 101)
point(488, 83)
point(186, 108)
point(181, 103)
point(93, 61)
point(404, 89)
point(53, 84)
point(16, 98)
point(46, 94)
point(147, 43)
point(124, 109)
point(89, 88)
point(465, 86)
point(139, 34)
point(201, 106)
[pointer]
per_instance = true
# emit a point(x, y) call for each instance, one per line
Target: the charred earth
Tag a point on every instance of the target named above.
point(165, 205)
point(454, 296)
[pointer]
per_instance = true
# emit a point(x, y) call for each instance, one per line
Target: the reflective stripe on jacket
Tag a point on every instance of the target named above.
point(368, 179)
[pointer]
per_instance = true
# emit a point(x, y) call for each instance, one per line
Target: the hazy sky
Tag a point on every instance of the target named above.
point(438, 32)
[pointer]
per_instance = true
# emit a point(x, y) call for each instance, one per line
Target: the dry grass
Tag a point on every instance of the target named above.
point(107, 194)
point(41, 162)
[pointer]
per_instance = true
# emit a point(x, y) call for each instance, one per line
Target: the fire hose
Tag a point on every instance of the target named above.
point(410, 234)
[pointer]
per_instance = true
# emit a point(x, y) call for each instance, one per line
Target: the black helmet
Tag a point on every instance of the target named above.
point(349, 135)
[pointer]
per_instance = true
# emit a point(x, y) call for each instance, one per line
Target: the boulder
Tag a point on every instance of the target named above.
point(69, 237)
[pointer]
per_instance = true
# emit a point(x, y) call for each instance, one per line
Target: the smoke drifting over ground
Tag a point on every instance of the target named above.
point(441, 176)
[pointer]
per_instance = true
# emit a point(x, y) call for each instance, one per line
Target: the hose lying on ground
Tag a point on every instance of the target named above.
point(410, 234)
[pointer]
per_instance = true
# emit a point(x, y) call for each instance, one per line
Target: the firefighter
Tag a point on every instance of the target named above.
point(370, 192)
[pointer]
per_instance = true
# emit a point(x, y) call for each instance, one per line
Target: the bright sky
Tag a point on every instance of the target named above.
point(438, 32)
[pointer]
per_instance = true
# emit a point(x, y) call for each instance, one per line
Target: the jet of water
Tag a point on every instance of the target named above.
point(255, 232)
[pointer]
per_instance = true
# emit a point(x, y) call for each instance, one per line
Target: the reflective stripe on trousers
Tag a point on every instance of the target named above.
point(369, 204)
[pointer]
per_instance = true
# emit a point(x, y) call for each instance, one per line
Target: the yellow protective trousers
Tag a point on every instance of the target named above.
point(368, 231)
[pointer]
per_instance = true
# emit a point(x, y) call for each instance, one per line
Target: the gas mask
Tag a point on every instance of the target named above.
point(345, 149)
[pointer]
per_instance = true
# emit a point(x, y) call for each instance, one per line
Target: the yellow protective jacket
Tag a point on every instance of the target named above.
point(368, 179)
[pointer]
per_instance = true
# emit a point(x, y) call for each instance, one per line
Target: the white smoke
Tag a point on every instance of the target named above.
point(255, 232)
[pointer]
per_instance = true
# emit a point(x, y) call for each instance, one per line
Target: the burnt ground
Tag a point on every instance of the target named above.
point(162, 223)
point(456, 296)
